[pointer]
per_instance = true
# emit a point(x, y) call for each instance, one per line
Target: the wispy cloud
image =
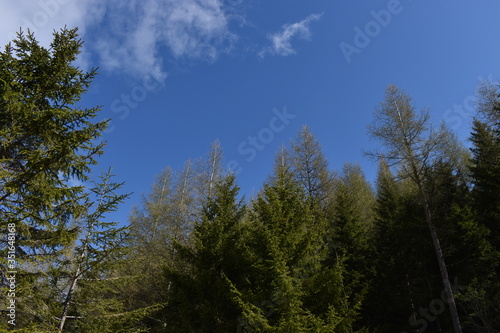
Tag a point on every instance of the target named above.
point(281, 41)
point(193, 29)
point(127, 36)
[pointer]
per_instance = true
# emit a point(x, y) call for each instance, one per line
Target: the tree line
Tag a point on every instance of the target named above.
point(315, 250)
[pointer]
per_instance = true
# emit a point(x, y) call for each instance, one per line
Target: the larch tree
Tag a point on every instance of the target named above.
point(310, 166)
point(208, 171)
point(152, 228)
point(410, 142)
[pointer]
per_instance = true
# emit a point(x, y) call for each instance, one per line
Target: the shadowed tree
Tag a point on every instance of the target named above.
point(413, 145)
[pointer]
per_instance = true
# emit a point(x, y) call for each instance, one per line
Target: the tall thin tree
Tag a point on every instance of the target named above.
point(412, 144)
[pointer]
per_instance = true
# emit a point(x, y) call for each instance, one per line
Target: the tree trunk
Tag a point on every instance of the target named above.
point(442, 265)
point(67, 301)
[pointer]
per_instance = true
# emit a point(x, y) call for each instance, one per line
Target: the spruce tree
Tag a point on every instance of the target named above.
point(485, 172)
point(207, 274)
point(89, 279)
point(300, 294)
point(45, 141)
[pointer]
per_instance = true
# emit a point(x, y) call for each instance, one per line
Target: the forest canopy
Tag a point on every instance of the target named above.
point(315, 250)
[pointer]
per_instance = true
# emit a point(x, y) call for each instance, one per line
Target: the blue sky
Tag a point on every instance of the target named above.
point(177, 74)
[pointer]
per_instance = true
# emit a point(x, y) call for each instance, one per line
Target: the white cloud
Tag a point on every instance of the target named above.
point(194, 29)
point(281, 41)
point(45, 16)
point(127, 36)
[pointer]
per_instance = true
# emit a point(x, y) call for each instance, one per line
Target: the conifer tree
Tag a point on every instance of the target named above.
point(310, 167)
point(45, 141)
point(411, 143)
point(208, 273)
point(351, 219)
point(90, 284)
point(485, 173)
point(300, 294)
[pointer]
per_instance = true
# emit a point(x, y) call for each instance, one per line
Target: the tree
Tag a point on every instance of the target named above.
point(350, 225)
point(296, 293)
point(155, 225)
point(486, 176)
point(209, 171)
point(205, 274)
point(413, 145)
point(45, 141)
point(89, 283)
point(310, 167)
point(481, 297)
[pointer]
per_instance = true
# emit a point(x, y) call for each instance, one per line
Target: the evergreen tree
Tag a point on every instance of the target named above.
point(350, 228)
point(481, 296)
point(485, 172)
point(300, 294)
point(205, 274)
point(45, 141)
point(404, 262)
point(90, 284)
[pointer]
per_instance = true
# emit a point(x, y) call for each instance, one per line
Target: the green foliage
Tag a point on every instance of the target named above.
point(45, 141)
point(201, 278)
point(486, 177)
point(314, 251)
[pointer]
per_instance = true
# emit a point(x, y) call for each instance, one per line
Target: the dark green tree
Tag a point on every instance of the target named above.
point(485, 173)
point(207, 273)
point(296, 292)
point(350, 230)
point(481, 296)
point(45, 141)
